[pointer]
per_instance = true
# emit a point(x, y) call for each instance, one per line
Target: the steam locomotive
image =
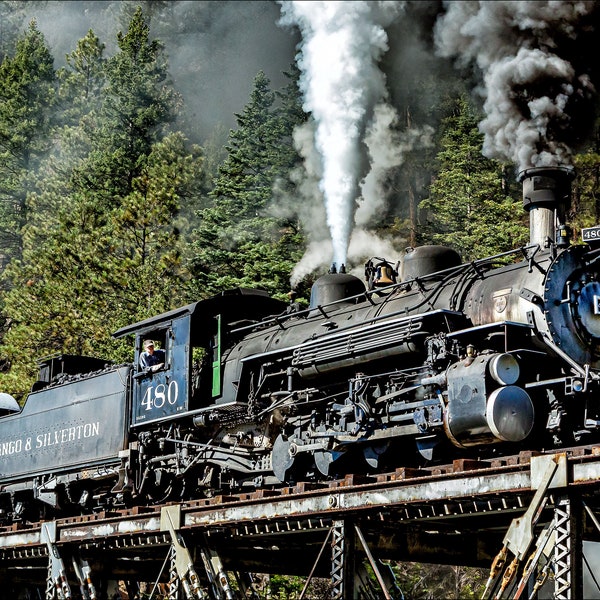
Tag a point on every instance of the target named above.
point(432, 358)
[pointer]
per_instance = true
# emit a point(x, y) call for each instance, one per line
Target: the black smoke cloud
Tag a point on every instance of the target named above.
point(533, 64)
point(537, 64)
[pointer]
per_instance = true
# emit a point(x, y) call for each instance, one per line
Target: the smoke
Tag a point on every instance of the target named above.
point(342, 43)
point(306, 204)
point(537, 73)
point(214, 49)
point(387, 147)
point(535, 63)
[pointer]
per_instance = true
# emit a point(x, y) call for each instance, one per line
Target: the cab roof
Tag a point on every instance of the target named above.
point(234, 305)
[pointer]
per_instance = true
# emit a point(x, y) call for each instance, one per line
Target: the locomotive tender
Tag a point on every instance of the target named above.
point(476, 359)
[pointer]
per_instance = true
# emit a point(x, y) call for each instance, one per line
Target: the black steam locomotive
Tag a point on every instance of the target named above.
point(432, 358)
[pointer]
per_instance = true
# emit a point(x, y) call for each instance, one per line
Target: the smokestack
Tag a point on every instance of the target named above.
point(547, 197)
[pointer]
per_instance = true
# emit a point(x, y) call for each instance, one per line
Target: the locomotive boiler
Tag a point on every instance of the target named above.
point(432, 358)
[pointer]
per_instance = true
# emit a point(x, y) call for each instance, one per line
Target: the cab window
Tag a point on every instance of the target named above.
point(153, 351)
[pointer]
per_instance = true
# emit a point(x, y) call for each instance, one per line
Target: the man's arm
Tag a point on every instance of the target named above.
point(144, 360)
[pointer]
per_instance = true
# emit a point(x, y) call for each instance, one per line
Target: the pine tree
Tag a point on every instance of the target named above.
point(138, 104)
point(103, 243)
point(81, 82)
point(149, 228)
point(469, 208)
point(27, 92)
point(237, 242)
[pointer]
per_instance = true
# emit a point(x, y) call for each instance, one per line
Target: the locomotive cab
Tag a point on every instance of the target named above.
point(191, 340)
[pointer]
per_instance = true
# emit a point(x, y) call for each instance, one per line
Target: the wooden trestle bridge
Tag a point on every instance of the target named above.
point(525, 517)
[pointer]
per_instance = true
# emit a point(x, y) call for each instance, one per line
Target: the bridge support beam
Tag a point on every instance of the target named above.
point(181, 565)
point(349, 576)
point(342, 560)
point(568, 549)
point(219, 582)
point(182, 572)
point(57, 585)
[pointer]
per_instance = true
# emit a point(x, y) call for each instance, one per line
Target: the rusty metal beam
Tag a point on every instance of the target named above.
point(427, 497)
point(57, 582)
point(373, 563)
point(183, 573)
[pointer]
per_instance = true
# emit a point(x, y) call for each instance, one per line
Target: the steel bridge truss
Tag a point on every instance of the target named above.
point(527, 520)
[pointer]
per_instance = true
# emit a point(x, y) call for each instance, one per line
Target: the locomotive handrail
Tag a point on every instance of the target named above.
point(367, 294)
point(583, 372)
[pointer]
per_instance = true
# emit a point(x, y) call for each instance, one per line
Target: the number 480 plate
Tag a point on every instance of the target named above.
point(591, 234)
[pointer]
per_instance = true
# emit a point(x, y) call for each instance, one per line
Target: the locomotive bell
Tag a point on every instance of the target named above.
point(383, 276)
point(379, 273)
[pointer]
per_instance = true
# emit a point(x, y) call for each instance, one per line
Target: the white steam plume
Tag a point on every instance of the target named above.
point(387, 147)
point(342, 43)
point(310, 208)
point(534, 75)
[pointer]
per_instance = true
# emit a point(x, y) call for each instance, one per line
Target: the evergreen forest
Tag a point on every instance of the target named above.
point(114, 209)
point(111, 211)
